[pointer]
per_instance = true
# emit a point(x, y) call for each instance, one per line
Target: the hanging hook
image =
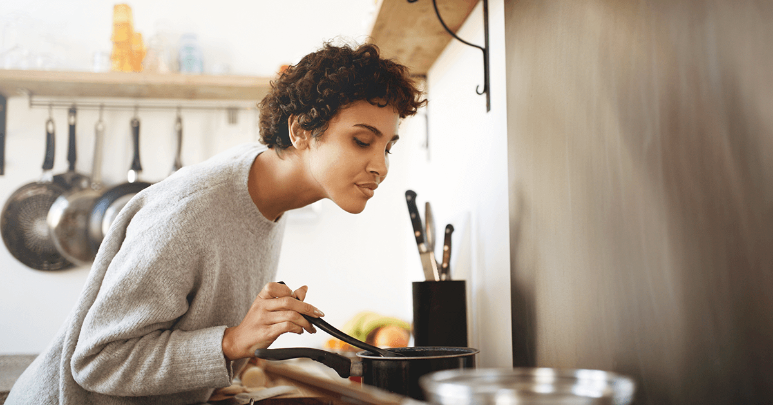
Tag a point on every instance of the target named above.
point(100, 125)
point(484, 49)
point(71, 114)
point(136, 109)
point(50, 111)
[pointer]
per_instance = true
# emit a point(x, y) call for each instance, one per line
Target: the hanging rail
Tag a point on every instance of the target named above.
point(485, 49)
point(96, 105)
point(231, 109)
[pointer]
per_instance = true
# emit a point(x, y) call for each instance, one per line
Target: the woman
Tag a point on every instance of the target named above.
point(169, 310)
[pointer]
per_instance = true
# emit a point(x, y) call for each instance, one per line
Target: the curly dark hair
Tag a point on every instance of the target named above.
point(329, 79)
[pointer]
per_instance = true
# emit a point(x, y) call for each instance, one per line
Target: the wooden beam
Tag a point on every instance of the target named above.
point(411, 34)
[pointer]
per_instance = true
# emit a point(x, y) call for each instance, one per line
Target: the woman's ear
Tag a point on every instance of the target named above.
point(299, 137)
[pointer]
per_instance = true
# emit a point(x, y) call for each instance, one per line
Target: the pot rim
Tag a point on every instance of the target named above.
point(459, 352)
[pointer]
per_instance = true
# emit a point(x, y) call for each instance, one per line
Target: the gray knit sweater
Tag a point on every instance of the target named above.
point(183, 260)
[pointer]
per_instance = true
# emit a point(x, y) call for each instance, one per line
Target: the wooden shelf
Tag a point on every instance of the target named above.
point(132, 85)
point(411, 34)
point(407, 32)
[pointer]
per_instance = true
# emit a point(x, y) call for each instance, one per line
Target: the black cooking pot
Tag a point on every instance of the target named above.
point(396, 374)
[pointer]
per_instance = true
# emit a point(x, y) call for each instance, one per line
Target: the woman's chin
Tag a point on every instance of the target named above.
point(352, 207)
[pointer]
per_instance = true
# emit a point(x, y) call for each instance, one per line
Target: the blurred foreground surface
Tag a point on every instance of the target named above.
point(640, 141)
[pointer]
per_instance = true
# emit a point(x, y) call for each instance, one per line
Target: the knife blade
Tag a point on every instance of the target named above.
point(428, 262)
point(445, 268)
point(429, 230)
point(429, 227)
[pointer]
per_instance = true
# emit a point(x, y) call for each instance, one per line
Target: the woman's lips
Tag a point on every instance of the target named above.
point(368, 189)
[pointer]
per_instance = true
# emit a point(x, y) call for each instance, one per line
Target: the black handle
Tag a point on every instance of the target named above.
point(136, 165)
point(72, 154)
point(48, 162)
point(340, 364)
point(418, 227)
point(446, 266)
point(3, 113)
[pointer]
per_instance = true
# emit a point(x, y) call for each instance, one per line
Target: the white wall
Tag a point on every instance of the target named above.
point(351, 262)
point(465, 178)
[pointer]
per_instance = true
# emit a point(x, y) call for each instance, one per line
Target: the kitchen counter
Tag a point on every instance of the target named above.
point(315, 384)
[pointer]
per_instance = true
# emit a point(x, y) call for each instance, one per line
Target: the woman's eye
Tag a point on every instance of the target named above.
point(389, 152)
point(361, 143)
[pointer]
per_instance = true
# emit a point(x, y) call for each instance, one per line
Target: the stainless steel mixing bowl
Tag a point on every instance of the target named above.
point(530, 386)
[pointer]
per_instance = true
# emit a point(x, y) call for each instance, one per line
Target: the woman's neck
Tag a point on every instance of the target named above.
point(280, 183)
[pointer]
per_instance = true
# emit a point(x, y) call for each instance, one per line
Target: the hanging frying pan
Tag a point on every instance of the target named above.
point(107, 206)
point(23, 220)
point(68, 218)
point(71, 179)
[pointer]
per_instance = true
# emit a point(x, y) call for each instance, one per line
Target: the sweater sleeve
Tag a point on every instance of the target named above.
point(128, 345)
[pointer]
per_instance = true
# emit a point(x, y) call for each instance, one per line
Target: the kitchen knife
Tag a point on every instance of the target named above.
point(428, 262)
point(429, 230)
point(445, 268)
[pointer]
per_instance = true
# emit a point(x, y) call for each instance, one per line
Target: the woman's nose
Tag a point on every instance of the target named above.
point(379, 166)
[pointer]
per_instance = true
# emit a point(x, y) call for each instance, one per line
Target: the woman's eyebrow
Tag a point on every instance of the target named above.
point(375, 131)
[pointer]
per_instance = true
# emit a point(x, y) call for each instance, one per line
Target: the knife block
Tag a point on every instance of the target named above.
point(440, 313)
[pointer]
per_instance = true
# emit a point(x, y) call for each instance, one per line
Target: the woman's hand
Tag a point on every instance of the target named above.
point(275, 311)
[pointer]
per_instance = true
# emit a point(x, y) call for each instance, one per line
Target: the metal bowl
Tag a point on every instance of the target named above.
point(523, 386)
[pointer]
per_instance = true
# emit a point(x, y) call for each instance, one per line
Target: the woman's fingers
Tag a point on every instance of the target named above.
point(276, 290)
point(285, 327)
point(301, 293)
point(287, 303)
point(279, 317)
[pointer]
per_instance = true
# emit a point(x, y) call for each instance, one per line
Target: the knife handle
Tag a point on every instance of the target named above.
point(418, 227)
point(445, 268)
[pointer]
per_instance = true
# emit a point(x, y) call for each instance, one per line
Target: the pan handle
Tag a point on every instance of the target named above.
point(178, 127)
point(136, 165)
point(72, 153)
point(342, 365)
point(48, 162)
point(96, 165)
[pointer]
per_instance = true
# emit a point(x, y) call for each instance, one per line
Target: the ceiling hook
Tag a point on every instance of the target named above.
point(484, 49)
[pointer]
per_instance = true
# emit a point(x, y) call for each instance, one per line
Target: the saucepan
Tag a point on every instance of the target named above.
point(23, 220)
point(527, 386)
point(398, 374)
point(68, 218)
point(110, 203)
point(397, 369)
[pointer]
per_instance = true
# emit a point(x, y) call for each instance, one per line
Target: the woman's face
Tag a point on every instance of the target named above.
point(351, 158)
